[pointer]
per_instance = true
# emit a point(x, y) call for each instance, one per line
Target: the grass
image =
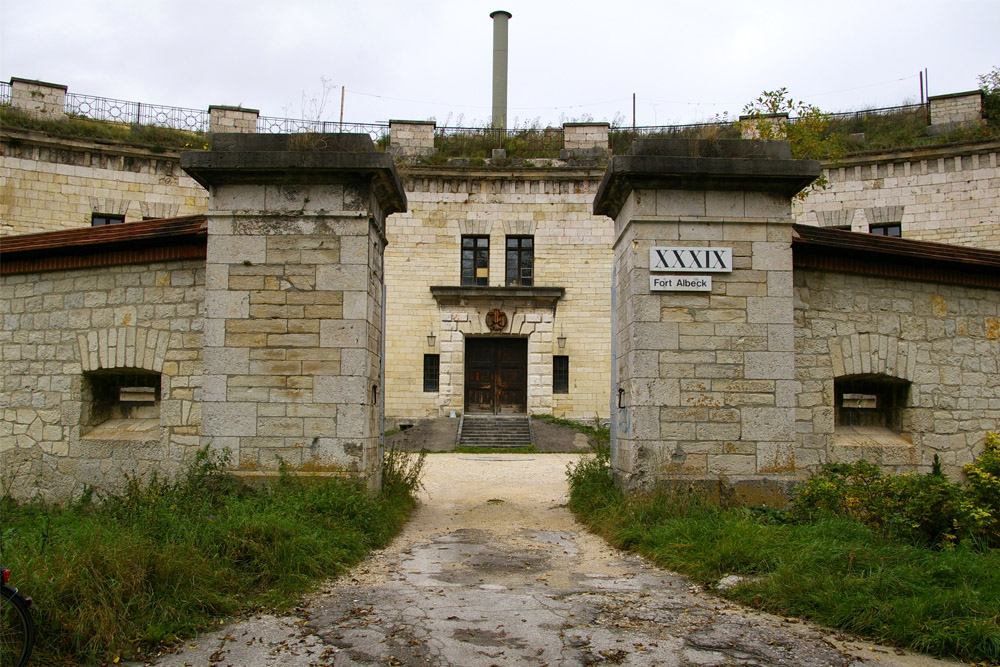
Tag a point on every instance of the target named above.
point(524, 142)
point(157, 139)
point(162, 561)
point(832, 571)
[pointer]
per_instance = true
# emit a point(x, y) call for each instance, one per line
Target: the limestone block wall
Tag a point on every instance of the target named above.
point(572, 250)
point(707, 379)
point(51, 184)
point(942, 339)
point(59, 325)
point(411, 137)
point(957, 108)
point(946, 195)
point(46, 100)
point(585, 135)
point(232, 119)
point(293, 327)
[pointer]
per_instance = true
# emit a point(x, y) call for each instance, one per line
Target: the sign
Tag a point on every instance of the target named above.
point(711, 260)
point(680, 283)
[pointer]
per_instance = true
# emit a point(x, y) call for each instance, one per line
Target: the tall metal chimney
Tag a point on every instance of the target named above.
point(500, 67)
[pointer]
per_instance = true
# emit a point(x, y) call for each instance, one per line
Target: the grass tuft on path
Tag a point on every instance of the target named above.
point(832, 571)
point(162, 560)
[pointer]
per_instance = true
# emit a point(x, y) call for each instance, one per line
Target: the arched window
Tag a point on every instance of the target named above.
point(126, 400)
point(870, 402)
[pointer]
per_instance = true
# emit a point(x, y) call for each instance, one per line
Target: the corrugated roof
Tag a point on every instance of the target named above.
point(92, 239)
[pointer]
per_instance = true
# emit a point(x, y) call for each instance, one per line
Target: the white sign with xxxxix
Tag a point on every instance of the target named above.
point(702, 260)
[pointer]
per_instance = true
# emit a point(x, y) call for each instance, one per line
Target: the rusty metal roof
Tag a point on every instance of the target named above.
point(873, 254)
point(107, 245)
point(133, 234)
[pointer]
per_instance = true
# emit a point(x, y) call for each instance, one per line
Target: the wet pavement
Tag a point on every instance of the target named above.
point(493, 570)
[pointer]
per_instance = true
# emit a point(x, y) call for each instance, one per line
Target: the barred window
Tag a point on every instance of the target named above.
point(560, 374)
point(98, 219)
point(432, 367)
point(475, 260)
point(520, 260)
point(889, 229)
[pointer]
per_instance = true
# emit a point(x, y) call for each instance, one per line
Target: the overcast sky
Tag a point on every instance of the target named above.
point(684, 61)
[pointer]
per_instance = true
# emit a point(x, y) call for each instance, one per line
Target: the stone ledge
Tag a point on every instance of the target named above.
point(537, 296)
point(752, 166)
point(297, 159)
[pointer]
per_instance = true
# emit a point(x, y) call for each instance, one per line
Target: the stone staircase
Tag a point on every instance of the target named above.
point(495, 431)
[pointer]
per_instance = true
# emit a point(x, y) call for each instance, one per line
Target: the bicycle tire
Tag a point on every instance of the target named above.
point(17, 629)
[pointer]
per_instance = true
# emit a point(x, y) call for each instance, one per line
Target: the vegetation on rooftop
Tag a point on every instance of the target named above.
point(155, 138)
point(813, 134)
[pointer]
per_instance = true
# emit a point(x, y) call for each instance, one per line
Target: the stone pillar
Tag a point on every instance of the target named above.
point(232, 119)
point(585, 136)
point(764, 126)
point(948, 112)
point(703, 327)
point(411, 138)
point(293, 299)
point(45, 100)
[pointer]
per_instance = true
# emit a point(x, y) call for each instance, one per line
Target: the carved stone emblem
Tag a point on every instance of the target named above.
point(496, 320)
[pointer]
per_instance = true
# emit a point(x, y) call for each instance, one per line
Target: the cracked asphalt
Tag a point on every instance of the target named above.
point(493, 570)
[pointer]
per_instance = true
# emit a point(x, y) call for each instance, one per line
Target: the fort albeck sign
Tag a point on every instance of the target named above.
point(687, 260)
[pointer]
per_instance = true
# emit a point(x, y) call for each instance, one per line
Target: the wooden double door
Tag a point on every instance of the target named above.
point(496, 375)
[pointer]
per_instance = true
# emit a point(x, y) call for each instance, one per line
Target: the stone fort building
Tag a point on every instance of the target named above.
point(288, 297)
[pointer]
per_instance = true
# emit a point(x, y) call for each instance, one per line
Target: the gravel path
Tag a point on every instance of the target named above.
point(493, 570)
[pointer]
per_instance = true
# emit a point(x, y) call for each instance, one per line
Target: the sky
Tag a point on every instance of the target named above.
point(685, 62)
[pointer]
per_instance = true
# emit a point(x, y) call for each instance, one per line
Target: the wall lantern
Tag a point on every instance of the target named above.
point(561, 339)
point(431, 338)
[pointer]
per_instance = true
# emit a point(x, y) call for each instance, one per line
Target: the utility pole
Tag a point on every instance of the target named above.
point(341, 108)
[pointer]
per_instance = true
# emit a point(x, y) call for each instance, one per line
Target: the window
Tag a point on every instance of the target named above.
point(124, 402)
point(520, 260)
point(560, 374)
point(98, 219)
point(870, 401)
point(432, 367)
point(475, 260)
point(888, 229)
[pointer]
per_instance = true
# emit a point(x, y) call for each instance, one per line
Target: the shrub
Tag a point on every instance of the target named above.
point(914, 508)
point(984, 485)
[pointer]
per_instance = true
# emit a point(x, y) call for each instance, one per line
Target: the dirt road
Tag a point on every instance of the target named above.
point(493, 570)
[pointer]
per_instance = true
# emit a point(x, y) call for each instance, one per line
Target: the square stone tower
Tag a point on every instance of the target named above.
point(294, 298)
point(703, 368)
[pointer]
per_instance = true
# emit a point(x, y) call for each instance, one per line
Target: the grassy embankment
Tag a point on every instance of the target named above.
point(161, 561)
point(897, 575)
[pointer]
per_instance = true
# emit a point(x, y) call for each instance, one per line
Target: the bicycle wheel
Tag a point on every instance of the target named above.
point(17, 629)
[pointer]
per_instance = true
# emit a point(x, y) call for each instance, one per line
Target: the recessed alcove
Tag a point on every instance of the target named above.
point(121, 404)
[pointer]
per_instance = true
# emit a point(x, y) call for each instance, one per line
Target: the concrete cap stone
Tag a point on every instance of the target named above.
point(703, 164)
point(297, 159)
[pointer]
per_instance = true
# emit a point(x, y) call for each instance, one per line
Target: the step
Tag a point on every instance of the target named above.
point(494, 431)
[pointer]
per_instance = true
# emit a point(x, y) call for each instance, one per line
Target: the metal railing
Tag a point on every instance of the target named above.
point(867, 120)
point(465, 141)
point(270, 125)
point(620, 138)
point(123, 111)
point(481, 141)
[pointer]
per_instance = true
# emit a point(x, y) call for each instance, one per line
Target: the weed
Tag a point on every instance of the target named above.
point(919, 509)
point(119, 575)
point(829, 567)
point(157, 139)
